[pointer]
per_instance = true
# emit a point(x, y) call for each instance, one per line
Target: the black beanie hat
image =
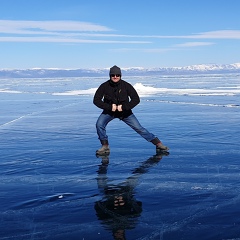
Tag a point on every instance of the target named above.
point(115, 70)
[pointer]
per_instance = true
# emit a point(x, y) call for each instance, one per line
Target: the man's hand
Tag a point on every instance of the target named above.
point(119, 108)
point(114, 107)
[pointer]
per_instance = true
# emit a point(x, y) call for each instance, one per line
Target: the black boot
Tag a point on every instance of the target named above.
point(159, 146)
point(104, 150)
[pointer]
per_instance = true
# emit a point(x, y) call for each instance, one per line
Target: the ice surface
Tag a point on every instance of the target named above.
point(54, 187)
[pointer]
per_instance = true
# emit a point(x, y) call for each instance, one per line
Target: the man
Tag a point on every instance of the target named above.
point(117, 98)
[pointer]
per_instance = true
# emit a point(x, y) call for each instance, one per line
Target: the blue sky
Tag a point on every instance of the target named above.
point(129, 33)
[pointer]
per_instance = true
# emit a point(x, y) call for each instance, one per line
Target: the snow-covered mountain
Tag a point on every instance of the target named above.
point(132, 71)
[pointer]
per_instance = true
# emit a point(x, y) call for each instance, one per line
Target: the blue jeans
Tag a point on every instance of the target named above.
point(131, 121)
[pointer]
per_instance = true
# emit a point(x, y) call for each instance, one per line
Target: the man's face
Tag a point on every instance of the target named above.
point(115, 77)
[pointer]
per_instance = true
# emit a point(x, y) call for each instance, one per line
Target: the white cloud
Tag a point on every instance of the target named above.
point(162, 50)
point(57, 31)
point(86, 32)
point(223, 34)
point(64, 40)
point(193, 44)
point(9, 26)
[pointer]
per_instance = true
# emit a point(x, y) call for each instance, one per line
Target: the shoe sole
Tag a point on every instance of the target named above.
point(162, 150)
point(103, 153)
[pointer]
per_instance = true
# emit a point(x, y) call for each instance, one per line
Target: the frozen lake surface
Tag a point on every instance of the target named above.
point(54, 187)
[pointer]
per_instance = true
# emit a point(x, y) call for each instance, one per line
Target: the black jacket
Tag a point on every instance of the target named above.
point(120, 93)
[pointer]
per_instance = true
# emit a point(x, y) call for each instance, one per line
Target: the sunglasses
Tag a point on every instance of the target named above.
point(117, 75)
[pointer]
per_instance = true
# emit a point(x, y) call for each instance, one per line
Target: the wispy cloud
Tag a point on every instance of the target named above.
point(194, 44)
point(167, 49)
point(223, 34)
point(86, 32)
point(64, 40)
point(58, 31)
point(49, 27)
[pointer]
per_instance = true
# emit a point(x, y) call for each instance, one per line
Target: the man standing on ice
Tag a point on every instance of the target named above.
point(117, 98)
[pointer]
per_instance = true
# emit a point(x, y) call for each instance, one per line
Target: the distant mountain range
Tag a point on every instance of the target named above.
point(132, 71)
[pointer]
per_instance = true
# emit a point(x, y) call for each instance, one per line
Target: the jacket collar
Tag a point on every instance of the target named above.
point(113, 84)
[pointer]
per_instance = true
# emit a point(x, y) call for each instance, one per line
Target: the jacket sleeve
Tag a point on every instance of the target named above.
point(134, 98)
point(98, 99)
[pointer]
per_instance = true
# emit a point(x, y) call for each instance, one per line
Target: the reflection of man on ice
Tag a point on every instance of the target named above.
point(119, 210)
